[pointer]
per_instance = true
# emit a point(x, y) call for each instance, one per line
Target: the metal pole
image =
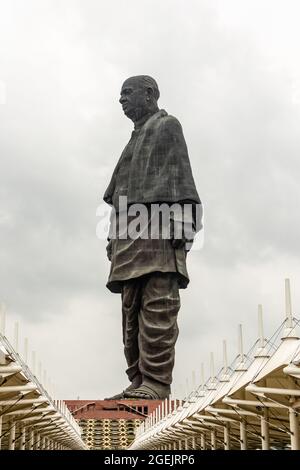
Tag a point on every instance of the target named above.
point(243, 434)
point(241, 349)
point(212, 366)
point(193, 380)
point(23, 438)
point(213, 439)
point(16, 337)
point(12, 435)
point(202, 376)
point(38, 442)
point(227, 436)
point(26, 351)
point(225, 357)
point(33, 362)
point(294, 426)
point(39, 375)
point(261, 327)
point(31, 434)
point(265, 436)
point(288, 304)
point(187, 388)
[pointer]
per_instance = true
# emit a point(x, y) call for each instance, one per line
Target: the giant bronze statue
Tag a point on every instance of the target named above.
point(154, 169)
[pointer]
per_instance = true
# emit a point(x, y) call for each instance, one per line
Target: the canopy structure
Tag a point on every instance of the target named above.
point(29, 418)
point(252, 404)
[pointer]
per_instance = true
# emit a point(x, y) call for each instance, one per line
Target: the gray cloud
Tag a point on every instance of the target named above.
point(230, 74)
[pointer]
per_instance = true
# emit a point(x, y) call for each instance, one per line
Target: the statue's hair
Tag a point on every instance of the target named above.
point(147, 82)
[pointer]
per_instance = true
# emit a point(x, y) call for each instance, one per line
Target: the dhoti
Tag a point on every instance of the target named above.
point(150, 305)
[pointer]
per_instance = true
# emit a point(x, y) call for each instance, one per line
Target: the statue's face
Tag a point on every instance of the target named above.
point(134, 99)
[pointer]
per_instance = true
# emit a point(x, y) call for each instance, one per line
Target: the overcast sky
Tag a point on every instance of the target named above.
point(229, 70)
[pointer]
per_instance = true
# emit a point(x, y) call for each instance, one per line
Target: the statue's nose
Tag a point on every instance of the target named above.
point(122, 99)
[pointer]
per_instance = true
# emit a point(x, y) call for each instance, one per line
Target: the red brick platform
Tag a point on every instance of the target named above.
point(110, 424)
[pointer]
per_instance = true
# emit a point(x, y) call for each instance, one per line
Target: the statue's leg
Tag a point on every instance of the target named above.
point(158, 332)
point(131, 304)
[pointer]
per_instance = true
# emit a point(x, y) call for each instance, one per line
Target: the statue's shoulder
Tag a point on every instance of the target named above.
point(168, 122)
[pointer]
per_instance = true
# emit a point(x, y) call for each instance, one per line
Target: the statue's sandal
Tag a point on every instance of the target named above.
point(143, 392)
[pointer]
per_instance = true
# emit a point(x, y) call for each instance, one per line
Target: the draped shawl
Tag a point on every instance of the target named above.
point(160, 169)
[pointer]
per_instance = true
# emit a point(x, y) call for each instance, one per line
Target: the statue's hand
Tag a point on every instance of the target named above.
point(109, 250)
point(178, 242)
point(181, 242)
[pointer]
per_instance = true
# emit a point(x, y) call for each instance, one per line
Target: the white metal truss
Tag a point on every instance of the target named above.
point(29, 418)
point(253, 404)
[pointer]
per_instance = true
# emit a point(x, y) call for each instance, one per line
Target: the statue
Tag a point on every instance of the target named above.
point(148, 271)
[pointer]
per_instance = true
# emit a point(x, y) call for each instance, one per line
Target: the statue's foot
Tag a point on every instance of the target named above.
point(118, 396)
point(149, 390)
point(136, 382)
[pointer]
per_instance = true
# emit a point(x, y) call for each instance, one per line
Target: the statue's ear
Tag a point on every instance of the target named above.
point(150, 92)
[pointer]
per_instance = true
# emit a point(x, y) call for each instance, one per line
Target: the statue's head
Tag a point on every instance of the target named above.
point(139, 96)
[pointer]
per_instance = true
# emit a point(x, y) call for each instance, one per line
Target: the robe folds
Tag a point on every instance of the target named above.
point(160, 169)
point(154, 168)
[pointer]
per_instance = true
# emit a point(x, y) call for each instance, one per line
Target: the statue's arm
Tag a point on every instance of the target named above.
point(191, 220)
point(111, 233)
point(183, 228)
